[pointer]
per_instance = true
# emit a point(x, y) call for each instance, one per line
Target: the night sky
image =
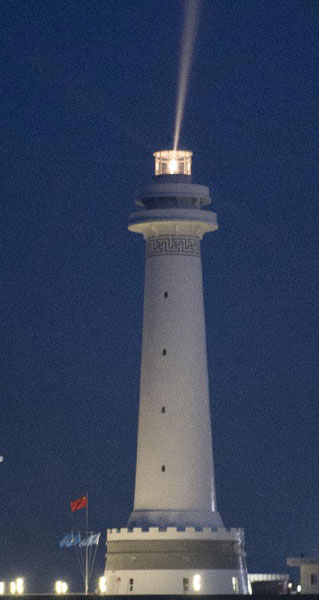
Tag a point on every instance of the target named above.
point(88, 93)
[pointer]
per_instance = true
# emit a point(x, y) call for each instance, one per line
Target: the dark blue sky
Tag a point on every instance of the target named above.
point(88, 93)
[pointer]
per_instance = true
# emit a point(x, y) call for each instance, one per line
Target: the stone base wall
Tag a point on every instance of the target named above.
point(176, 562)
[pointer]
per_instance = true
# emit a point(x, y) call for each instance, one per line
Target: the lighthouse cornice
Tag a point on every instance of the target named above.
point(173, 221)
point(191, 193)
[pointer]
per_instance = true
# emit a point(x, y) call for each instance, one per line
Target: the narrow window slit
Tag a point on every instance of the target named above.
point(164, 352)
point(163, 468)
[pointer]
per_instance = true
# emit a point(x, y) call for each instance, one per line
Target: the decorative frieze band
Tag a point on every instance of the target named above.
point(173, 244)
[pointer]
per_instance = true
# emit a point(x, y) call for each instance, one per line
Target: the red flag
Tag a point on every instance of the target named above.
point(79, 503)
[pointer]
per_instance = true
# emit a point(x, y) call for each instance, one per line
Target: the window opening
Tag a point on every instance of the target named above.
point(313, 579)
point(163, 409)
point(234, 581)
point(164, 352)
point(197, 583)
point(165, 294)
point(131, 585)
point(185, 584)
point(163, 468)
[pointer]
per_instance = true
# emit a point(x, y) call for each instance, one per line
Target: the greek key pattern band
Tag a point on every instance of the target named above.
point(162, 245)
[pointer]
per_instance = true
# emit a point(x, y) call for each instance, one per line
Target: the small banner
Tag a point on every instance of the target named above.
point(79, 503)
point(70, 540)
point(91, 540)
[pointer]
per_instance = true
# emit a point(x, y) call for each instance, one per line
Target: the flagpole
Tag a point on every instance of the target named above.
point(86, 547)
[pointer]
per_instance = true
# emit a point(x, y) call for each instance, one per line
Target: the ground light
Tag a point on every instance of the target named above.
point(17, 586)
point(13, 587)
point(197, 584)
point(2, 588)
point(20, 585)
point(61, 587)
point(102, 585)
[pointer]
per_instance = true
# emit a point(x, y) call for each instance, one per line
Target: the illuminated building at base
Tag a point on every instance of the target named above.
point(309, 573)
point(175, 542)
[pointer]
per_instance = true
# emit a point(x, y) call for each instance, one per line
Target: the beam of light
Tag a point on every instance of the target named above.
point(191, 15)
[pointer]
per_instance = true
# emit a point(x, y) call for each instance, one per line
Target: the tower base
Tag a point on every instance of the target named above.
point(172, 561)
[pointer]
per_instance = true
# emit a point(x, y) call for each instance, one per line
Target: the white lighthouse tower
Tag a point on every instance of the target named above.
point(175, 542)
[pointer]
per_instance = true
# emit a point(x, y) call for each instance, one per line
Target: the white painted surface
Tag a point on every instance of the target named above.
point(309, 573)
point(171, 582)
point(267, 577)
point(180, 438)
point(309, 579)
point(213, 581)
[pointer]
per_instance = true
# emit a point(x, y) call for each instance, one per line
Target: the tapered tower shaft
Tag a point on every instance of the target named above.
point(174, 471)
point(174, 468)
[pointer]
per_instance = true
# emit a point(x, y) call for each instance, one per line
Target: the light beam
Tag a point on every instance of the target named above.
point(191, 15)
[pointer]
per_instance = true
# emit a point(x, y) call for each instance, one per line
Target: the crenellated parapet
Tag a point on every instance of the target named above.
point(207, 533)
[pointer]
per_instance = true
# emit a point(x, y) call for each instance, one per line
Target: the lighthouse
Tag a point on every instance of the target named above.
point(175, 541)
